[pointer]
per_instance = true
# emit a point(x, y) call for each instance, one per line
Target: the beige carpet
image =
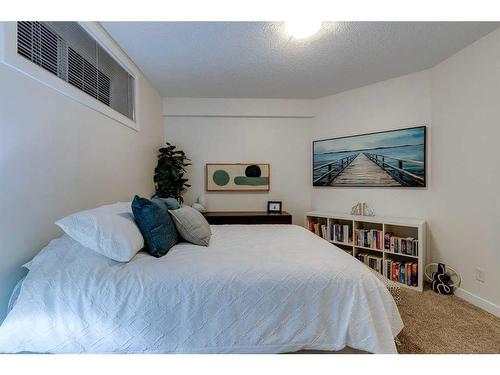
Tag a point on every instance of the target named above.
point(445, 324)
point(436, 324)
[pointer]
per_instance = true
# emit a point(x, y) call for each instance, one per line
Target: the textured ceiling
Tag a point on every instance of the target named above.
point(259, 60)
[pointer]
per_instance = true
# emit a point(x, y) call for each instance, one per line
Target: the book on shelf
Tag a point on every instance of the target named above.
point(324, 232)
point(341, 233)
point(401, 245)
point(371, 238)
point(314, 227)
point(372, 261)
point(414, 274)
point(402, 272)
point(311, 226)
point(319, 229)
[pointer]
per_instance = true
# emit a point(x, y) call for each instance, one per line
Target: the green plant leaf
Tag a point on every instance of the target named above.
point(169, 173)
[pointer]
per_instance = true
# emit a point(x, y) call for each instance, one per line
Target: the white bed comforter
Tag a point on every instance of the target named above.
point(255, 289)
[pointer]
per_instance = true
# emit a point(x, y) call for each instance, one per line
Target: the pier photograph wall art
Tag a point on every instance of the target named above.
point(394, 158)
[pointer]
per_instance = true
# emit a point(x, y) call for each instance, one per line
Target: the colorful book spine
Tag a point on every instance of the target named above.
point(414, 273)
point(404, 273)
point(374, 262)
point(371, 238)
point(399, 245)
point(341, 233)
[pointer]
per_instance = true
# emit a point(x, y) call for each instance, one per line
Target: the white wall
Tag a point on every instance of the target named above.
point(396, 103)
point(57, 157)
point(459, 102)
point(465, 206)
point(245, 130)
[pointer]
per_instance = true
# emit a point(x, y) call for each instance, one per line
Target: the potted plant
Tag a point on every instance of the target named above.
point(169, 173)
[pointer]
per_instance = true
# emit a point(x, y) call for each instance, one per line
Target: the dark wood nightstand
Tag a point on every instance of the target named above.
point(248, 217)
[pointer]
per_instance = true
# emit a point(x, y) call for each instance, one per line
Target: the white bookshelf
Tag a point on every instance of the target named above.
point(400, 227)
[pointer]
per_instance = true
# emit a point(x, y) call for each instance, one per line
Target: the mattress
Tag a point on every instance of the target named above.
point(255, 289)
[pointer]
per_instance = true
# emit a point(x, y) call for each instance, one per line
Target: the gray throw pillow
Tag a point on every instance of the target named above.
point(191, 225)
point(171, 202)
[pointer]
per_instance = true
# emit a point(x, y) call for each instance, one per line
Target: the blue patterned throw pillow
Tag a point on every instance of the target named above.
point(155, 224)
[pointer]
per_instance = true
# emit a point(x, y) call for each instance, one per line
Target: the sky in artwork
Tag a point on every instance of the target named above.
point(414, 136)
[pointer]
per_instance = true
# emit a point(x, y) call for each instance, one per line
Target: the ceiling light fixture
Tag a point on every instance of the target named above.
point(301, 29)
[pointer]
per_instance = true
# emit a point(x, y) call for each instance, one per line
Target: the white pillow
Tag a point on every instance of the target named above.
point(109, 230)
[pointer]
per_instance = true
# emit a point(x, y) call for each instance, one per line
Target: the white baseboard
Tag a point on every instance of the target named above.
point(478, 301)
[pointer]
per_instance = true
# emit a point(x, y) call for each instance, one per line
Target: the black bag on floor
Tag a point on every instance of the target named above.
point(441, 281)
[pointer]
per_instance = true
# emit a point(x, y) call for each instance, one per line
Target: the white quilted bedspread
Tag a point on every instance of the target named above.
point(255, 289)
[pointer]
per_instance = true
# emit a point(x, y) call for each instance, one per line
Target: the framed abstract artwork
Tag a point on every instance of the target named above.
point(394, 158)
point(238, 177)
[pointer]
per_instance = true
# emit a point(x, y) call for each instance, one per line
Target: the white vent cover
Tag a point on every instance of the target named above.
point(66, 50)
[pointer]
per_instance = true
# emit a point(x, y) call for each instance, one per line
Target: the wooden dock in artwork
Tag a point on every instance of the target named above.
point(362, 171)
point(367, 169)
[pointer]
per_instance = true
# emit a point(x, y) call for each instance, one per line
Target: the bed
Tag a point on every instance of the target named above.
point(255, 289)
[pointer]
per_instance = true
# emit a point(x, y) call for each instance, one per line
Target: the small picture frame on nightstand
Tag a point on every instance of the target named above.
point(274, 207)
